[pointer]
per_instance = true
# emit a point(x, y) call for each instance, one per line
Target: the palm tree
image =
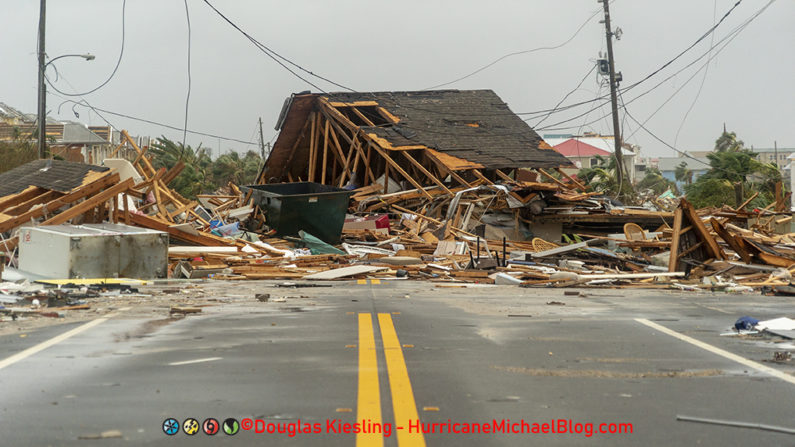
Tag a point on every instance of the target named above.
point(194, 178)
point(682, 173)
point(728, 142)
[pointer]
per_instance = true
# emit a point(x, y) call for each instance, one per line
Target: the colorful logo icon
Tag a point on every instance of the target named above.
point(190, 426)
point(211, 426)
point(231, 426)
point(171, 426)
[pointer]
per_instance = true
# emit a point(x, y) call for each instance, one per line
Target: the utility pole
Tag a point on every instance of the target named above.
point(42, 113)
point(261, 141)
point(613, 96)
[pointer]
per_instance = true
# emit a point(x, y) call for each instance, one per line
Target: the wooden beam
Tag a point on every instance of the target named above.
point(549, 176)
point(23, 207)
point(27, 194)
point(673, 259)
point(698, 226)
point(571, 179)
point(736, 244)
point(151, 169)
point(173, 172)
point(442, 167)
point(426, 172)
point(397, 167)
point(60, 202)
point(744, 204)
point(90, 203)
point(325, 154)
point(480, 175)
point(503, 176)
point(361, 115)
point(351, 151)
point(312, 148)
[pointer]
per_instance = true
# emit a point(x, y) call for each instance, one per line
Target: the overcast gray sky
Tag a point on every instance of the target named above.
point(409, 45)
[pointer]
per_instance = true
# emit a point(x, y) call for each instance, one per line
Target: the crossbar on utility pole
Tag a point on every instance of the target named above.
point(613, 97)
point(42, 113)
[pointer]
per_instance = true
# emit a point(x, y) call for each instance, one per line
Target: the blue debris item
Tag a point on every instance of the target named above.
point(745, 323)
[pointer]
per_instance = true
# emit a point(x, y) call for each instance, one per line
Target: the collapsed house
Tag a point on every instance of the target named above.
point(440, 143)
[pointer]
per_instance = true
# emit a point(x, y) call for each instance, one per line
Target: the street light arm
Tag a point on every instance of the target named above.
point(87, 56)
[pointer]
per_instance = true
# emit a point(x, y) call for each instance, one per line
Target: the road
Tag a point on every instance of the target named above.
point(391, 352)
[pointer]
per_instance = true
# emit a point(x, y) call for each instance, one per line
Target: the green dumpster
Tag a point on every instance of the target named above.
point(291, 207)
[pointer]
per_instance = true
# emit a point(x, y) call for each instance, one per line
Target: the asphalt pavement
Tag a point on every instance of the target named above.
point(393, 359)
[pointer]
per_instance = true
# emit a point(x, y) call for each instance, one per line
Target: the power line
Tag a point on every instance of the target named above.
point(723, 41)
point(703, 36)
point(118, 61)
point(276, 56)
point(167, 126)
point(703, 79)
point(593, 67)
point(516, 53)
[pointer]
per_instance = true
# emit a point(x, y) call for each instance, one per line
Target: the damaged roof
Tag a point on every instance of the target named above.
point(56, 175)
point(475, 125)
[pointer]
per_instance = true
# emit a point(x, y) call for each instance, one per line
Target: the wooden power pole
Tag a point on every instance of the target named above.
point(613, 97)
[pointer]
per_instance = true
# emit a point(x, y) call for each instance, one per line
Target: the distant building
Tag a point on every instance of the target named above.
point(778, 156)
point(583, 149)
point(70, 140)
point(697, 165)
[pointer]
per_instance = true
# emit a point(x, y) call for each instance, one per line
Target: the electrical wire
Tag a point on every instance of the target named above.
point(166, 126)
point(190, 80)
point(118, 61)
point(723, 41)
point(516, 53)
point(276, 56)
point(593, 67)
point(703, 79)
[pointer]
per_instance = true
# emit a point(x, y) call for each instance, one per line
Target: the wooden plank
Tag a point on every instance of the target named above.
point(744, 204)
point(427, 173)
point(571, 179)
point(712, 246)
point(736, 244)
point(399, 169)
point(480, 175)
point(503, 176)
point(691, 249)
point(204, 239)
point(151, 169)
point(351, 151)
point(673, 259)
point(361, 115)
point(325, 154)
point(21, 197)
point(312, 148)
point(345, 271)
point(173, 172)
point(23, 207)
point(559, 250)
point(449, 171)
point(85, 191)
point(558, 182)
point(90, 203)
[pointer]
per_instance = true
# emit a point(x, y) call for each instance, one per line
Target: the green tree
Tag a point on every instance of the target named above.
point(734, 171)
point(683, 174)
point(230, 167)
point(193, 179)
point(654, 180)
point(601, 176)
point(728, 142)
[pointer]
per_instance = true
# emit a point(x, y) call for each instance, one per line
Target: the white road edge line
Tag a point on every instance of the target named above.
point(718, 351)
point(53, 341)
point(189, 362)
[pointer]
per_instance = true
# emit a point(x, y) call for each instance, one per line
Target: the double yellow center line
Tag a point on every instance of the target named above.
point(369, 397)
